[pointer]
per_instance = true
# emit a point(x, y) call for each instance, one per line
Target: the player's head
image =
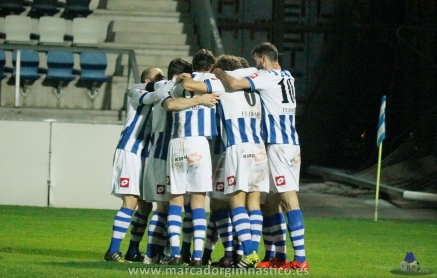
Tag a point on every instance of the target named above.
point(228, 62)
point(244, 62)
point(152, 75)
point(203, 60)
point(178, 66)
point(264, 53)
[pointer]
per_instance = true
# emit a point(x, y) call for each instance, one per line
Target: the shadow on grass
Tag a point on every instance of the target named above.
point(52, 252)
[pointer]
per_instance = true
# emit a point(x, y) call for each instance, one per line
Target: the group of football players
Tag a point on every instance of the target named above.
point(219, 128)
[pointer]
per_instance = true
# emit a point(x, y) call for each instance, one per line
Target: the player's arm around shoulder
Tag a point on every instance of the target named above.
point(135, 88)
point(181, 103)
point(231, 83)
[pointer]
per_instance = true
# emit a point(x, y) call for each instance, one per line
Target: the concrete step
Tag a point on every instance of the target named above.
point(150, 46)
point(158, 60)
point(154, 38)
point(143, 16)
point(152, 27)
point(148, 5)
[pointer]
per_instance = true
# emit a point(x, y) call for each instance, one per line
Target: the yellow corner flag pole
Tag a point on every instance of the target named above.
point(378, 174)
point(379, 139)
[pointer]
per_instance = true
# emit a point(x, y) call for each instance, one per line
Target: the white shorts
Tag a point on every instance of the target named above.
point(218, 181)
point(246, 168)
point(284, 161)
point(155, 180)
point(189, 165)
point(127, 173)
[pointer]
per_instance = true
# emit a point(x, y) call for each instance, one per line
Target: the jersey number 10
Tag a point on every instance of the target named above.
point(287, 90)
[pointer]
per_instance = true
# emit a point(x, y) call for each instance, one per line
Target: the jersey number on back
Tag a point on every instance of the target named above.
point(287, 89)
point(250, 97)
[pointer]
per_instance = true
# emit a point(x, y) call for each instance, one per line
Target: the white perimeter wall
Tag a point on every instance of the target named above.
point(81, 164)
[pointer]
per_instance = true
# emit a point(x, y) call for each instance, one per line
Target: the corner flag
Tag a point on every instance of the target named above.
point(381, 123)
point(379, 139)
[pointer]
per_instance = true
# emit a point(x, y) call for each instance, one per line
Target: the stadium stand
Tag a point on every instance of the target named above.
point(41, 8)
point(29, 63)
point(60, 68)
point(76, 8)
point(93, 66)
point(52, 31)
point(18, 29)
point(11, 7)
point(2, 63)
point(86, 31)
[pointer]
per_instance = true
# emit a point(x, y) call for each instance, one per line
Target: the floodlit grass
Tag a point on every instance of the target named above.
point(53, 242)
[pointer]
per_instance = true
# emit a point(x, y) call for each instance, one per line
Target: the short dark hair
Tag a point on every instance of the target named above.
point(178, 66)
point(244, 62)
point(203, 60)
point(266, 49)
point(228, 62)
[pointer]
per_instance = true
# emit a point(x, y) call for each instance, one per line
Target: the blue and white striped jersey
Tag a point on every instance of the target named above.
point(278, 95)
point(138, 125)
point(240, 111)
point(161, 121)
point(198, 120)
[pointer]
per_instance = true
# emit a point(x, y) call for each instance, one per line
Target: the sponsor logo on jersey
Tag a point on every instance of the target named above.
point(168, 180)
point(231, 180)
point(296, 160)
point(280, 181)
point(255, 114)
point(260, 156)
point(196, 107)
point(124, 182)
point(288, 110)
point(254, 75)
point(160, 189)
point(248, 155)
point(194, 158)
point(220, 186)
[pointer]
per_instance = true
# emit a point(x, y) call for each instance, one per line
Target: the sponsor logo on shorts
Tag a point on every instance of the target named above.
point(231, 180)
point(254, 75)
point(220, 186)
point(160, 189)
point(194, 158)
point(180, 158)
point(248, 155)
point(280, 181)
point(260, 156)
point(168, 180)
point(124, 182)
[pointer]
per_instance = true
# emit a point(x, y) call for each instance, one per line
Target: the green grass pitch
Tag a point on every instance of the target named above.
point(55, 242)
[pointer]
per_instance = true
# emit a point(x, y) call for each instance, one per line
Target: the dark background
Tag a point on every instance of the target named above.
point(356, 52)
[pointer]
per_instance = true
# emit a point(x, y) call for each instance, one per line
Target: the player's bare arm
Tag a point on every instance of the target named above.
point(231, 83)
point(178, 104)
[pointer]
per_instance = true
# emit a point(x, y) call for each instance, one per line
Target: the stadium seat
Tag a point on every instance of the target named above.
point(9, 7)
point(93, 66)
point(43, 8)
point(60, 68)
point(18, 29)
point(28, 67)
point(86, 31)
point(2, 63)
point(52, 31)
point(76, 8)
